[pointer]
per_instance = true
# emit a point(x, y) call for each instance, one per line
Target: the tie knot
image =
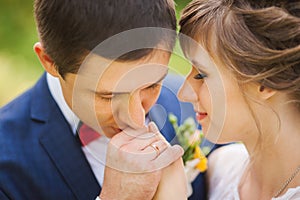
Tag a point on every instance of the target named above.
point(86, 134)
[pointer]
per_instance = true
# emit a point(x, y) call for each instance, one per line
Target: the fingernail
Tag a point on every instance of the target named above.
point(179, 149)
point(153, 128)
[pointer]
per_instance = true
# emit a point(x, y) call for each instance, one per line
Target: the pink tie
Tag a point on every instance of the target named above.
point(87, 134)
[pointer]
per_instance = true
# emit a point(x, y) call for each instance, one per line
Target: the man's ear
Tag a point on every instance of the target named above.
point(265, 93)
point(45, 60)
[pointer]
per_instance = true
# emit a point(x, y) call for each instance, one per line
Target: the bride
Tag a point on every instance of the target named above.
point(245, 88)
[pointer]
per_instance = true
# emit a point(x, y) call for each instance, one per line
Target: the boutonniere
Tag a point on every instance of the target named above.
point(190, 138)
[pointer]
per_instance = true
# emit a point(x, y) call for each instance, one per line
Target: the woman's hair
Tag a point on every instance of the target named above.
point(258, 40)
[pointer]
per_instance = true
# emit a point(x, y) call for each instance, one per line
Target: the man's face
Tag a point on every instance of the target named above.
point(110, 96)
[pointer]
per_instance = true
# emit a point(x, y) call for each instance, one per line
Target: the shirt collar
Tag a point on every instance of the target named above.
point(56, 92)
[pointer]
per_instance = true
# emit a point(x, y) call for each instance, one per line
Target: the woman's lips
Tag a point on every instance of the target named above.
point(200, 115)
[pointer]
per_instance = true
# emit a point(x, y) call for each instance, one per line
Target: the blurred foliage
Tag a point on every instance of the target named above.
point(19, 66)
point(17, 33)
point(178, 63)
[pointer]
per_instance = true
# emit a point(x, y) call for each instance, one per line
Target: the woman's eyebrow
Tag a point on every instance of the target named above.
point(198, 66)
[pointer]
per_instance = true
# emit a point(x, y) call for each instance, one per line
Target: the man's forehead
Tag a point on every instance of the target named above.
point(117, 76)
point(130, 80)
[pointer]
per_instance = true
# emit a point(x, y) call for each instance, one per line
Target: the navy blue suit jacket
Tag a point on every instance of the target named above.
point(41, 159)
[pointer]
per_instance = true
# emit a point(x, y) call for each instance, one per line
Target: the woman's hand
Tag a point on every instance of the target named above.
point(173, 183)
point(135, 162)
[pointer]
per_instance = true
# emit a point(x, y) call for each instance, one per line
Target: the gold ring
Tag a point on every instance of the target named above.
point(155, 147)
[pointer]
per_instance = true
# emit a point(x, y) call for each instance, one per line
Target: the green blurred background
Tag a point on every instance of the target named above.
point(19, 67)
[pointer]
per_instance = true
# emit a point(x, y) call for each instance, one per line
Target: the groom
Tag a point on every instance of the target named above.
point(109, 88)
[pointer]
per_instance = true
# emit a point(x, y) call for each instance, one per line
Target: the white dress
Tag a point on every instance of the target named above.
point(225, 168)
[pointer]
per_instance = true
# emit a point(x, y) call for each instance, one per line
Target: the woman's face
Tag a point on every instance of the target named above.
point(219, 104)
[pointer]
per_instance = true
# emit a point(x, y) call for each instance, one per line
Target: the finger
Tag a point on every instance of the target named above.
point(167, 157)
point(127, 160)
point(126, 136)
point(135, 132)
point(153, 128)
point(143, 141)
point(154, 149)
point(120, 139)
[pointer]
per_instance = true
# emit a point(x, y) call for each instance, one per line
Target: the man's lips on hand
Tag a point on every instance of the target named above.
point(117, 130)
point(200, 115)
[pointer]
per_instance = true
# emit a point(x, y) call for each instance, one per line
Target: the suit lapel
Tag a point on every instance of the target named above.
point(61, 145)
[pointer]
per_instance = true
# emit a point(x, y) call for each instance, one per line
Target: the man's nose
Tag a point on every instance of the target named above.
point(187, 93)
point(136, 110)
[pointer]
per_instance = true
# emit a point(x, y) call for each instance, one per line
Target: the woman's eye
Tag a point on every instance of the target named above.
point(200, 76)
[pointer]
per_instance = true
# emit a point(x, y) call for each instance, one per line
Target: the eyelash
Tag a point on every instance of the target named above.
point(108, 99)
point(154, 86)
point(200, 76)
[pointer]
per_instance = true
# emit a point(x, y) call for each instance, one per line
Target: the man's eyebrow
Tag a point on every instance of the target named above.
point(107, 93)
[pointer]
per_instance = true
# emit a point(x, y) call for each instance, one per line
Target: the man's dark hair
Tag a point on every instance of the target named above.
point(70, 29)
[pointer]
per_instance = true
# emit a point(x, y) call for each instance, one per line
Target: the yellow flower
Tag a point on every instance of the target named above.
point(202, 165)
point(190, 139)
